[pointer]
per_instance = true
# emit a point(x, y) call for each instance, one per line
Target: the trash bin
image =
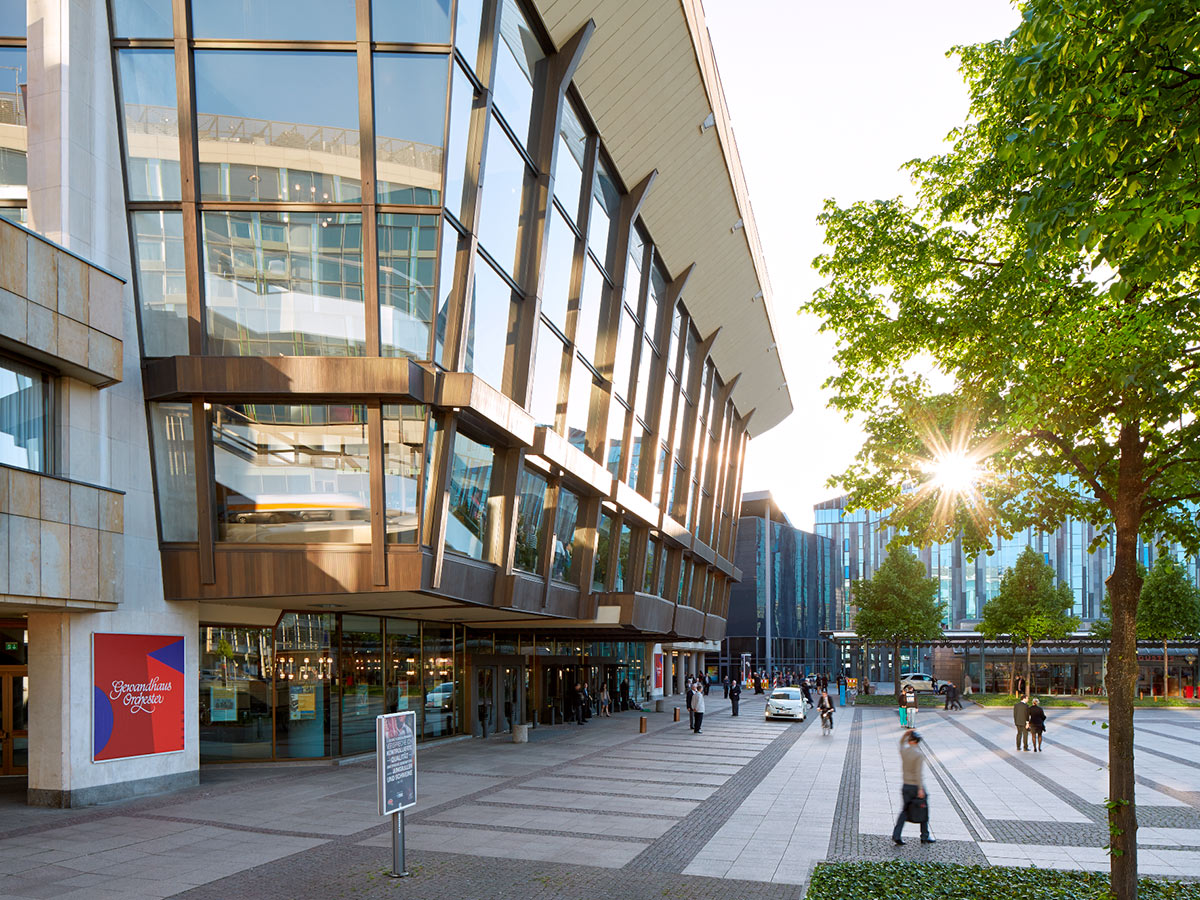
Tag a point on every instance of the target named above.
point(1189, 691)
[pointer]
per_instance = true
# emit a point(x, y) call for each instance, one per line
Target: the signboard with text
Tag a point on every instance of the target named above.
point(658, 671)
point(137, 695)
point(396, 761)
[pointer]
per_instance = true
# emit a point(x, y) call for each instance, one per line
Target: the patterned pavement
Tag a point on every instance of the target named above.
point(600, 811)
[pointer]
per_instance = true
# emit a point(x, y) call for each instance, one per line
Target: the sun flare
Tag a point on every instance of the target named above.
point(955, 473)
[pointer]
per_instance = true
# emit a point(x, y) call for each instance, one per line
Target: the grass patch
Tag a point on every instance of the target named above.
point(916, 881)
point(924, 701)
point(1009, 700)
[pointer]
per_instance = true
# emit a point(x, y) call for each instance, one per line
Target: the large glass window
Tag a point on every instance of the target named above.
point(14, 135)
point(410, 122)
point(492, 319)
point(547, 370)
point(605, 201)
point(655, 298)
point(579, 401)
point(531, 506)
point(616, 435)
point(462, 96)
point(138, 18)
point(449, 257)
point(466, 31)
point(404, 666)
point(411, 21)
point(643, 379)
point(26, 427)
point(623, 560)
point(587, 320)
point(560, 259)
point(515, 61)
point(604, 539)
point(441, 690)
point(362, 682)
point(407, 263)
point(623, 363)
point(470, 488)
point(568, 161)
point(274, 20)
point(284, 284)
point(174, 469)
point(151, 123)
point(403, 451)
point(504, 174)
point(566, 518)
point(305, 723)
point(280, 124)
point(161, 281)
point(236, 666)
point(291, 474)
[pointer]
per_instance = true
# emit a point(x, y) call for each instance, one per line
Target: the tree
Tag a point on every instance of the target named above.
point(1029, 607)
point(1169, 609)
point(1035, 312)
point(898, 605)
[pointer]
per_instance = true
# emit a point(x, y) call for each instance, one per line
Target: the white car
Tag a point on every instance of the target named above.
point(786, 703)
point(919, 681)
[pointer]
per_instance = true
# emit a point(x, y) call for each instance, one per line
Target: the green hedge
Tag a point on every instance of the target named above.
point(924, 881)
point(1009, 700)
point(924, 701)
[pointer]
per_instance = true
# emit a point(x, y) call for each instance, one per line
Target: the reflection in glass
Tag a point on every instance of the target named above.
point(635, 455)
point(449, 256)
point(236, 666)
point(492, 319)
point(652, 548)
point(410, 122)
point(161, 281)
point(503, 176)
point(531, 506)
point(622, 559)
point(25, 417)
point(284, 284)
point(579, 401)
point(466, 33)
point(14, 132)
point(605, 201)
point(404, 666)
point(462, 96)
point(643, 379)
point(566, 517)
point(174, 469)
point(304, 668)
point(587, 320)
point(362, 682)
point(568, 161)
point(274, 20)
point(291, 474)
point(655, 298)
point(519, 53)
point(441, 691)
point(623, 363)
point(617, 412)
point(411, 21)
point(547, 369)
point(407, 256)
point(603, 548)
point(278, 125)
point(403, 450)
point(470, 489)
point(138, 19)
point(560, 259)
point(151, 123)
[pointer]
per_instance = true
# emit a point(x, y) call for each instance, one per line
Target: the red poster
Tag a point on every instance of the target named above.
point(658, 670)
point(137, 695)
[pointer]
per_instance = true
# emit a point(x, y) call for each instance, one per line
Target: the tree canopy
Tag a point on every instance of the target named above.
point(898, 605)
point(1036, 310)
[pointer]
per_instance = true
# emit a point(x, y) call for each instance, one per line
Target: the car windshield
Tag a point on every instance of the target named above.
point(788, 694)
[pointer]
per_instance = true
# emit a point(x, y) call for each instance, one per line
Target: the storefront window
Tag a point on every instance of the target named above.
point(291, 474)
point(470, 489)
point(410, 119)
point(404, 666)
point(304, 667)
point(403, 451)
point(362, 682)
point(151, 123)
point(407, 263)
point(26, 427)
point(531, 504)
point(565, 519)
point(174, 469)
point(441, 692)
point(236, 666)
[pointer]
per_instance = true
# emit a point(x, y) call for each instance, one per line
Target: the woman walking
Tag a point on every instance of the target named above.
point(605, 702)
point(1037, 723)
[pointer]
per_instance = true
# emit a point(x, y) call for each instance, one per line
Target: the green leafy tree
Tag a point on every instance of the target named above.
point(1030, 607)
point(1048, 275)
point(1169, 609)
point(898, 605)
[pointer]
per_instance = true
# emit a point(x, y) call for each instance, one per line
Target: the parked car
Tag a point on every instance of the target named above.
point(441, 697)
point(918, 681)
point(786, 703)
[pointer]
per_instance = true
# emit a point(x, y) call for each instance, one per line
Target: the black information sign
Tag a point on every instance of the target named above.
point(396, 761)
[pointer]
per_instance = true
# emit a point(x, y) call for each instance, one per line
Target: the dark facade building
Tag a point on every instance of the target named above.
point(790, 592)
point(387, 382)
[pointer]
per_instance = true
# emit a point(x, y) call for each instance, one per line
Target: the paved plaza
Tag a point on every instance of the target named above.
point(744, 809)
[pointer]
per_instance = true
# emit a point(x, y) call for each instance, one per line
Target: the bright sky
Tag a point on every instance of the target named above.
point(829, 99)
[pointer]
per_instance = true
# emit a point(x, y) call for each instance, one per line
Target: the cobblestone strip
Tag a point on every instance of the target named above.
point(843, 837)
point(967, 811)
point(1173, 737)
point(1178, 760)
point(678, 846)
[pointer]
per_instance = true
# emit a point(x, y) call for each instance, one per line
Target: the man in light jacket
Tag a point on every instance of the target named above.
point(697, 706)
point(911, 762)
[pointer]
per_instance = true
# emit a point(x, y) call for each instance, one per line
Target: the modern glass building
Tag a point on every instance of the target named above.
point(424, 342)
point(790, 591)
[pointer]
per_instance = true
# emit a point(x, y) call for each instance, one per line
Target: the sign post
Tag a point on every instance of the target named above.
point(396, 771)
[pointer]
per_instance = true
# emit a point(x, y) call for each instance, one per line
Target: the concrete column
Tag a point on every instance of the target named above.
point(680, 672)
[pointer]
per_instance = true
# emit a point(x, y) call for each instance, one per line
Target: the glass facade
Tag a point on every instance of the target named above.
point(26, 417)
point(14, 129)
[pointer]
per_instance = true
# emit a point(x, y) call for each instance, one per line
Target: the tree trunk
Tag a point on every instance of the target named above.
point(1012, 672)
point(1125, 588)
point(1166, 673)
point(1028, 666)
point(896, 669)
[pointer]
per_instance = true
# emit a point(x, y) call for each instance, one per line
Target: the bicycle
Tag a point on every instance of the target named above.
point(826, 721)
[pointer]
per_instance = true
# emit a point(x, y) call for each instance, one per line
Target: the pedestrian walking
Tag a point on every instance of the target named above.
point(705, 683)
point(967, 689)
point(697, 707)
point(807, 692)
point(623, 691)
point(1037, 723)
point(912, 792)
point(726, 685)
point(605, 702)
point(688, 702)
point(735, 695)
point(577, 702)
point(1021, 720)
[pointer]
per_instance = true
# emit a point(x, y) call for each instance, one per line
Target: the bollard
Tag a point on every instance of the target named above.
point(642, 727)
point(677, 714)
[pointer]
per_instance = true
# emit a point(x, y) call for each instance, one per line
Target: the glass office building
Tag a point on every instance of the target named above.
point(418, 392)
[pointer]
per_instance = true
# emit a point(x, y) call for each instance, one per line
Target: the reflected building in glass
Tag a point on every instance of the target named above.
point(418, 393)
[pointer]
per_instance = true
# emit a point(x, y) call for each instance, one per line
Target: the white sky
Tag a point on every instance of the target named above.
point(829, 99)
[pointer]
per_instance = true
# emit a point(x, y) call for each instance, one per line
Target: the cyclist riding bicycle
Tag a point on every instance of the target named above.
point(825, 708)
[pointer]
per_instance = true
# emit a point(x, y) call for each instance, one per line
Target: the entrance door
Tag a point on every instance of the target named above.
point(14, 720)
point(485, 700)
point(511, 698)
